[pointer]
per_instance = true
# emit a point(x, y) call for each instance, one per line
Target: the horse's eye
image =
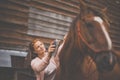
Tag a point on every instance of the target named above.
point(90, 29)
point(89, 24)
point(92, 24)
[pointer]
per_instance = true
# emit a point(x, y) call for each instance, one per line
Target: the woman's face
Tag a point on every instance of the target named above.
point(39, 47)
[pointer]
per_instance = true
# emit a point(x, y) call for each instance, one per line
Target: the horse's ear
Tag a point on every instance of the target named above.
point(105, 17)
point(83, 7)
point(104, 10)
point(81, 2)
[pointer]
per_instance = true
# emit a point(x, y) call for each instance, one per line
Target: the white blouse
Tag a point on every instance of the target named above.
point(45, 69)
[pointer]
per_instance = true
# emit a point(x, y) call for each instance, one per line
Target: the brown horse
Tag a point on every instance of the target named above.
point(87, 51)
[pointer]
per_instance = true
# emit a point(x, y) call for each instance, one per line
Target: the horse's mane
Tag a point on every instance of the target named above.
point(74, 50)
point(72, 47)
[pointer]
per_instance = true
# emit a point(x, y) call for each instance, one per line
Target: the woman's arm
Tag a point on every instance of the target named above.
point(38, 64)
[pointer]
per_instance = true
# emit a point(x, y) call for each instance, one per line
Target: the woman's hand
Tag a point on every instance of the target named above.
point(51, 48)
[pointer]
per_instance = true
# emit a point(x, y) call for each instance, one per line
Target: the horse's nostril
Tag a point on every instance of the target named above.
point(105, 62)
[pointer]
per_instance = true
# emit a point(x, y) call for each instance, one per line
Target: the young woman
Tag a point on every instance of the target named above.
point(42, 62)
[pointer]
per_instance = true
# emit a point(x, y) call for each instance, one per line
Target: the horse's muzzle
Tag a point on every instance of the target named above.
point(105, 62)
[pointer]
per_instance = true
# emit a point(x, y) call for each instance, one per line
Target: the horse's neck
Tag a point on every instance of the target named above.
point(89, 69)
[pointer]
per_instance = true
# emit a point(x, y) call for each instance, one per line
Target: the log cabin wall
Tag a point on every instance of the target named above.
point(13, 25)
point(23, 20)
point(13, 29)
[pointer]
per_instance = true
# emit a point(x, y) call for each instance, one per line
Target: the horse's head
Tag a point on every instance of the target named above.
point(92, 30)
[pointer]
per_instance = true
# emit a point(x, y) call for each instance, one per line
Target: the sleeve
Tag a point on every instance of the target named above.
point(39, 65)
point(51, 68)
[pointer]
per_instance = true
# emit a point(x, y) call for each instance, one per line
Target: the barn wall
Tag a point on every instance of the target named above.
point(23, 20)
point(13, 28)
point(13, 25)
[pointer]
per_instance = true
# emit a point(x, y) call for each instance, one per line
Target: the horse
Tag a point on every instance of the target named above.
point(87, 53)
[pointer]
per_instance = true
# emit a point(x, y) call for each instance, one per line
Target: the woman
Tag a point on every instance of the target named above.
point(42, 63)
